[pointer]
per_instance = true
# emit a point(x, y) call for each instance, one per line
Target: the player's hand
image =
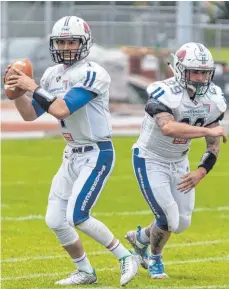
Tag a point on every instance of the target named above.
point(6, 71)
point(190, 180)
point(218, 131)
point(22, 81)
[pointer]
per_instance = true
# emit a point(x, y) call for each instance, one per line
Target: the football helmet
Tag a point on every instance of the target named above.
point(193, 57)
point(70, 28)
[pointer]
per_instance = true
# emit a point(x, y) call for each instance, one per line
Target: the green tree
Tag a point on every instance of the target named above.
point(222, 11)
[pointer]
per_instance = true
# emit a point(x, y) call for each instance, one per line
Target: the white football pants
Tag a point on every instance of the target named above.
point(76, 188)
point(158, 183)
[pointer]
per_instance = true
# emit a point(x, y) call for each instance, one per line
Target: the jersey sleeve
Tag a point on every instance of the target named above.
point(95, 80)
point(163, 93)
point(220, 99)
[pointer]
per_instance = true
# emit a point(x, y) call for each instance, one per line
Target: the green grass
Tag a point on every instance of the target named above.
point(27, 170)
point(220, 54)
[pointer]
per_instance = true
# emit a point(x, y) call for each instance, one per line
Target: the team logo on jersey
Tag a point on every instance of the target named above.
point(181, 54)
point(201, 110)
point(180, 141)
point(68, 136)
point(65, 84)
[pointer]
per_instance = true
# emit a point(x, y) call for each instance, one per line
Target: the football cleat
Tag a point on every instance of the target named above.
point(156, 268)
point(133, 237)
point(129, 268)
point(79, 277)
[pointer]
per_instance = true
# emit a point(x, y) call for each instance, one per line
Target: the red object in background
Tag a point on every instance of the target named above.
point(134, 64)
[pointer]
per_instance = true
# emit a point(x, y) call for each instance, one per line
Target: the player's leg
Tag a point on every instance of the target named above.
point(154, 181)
point(67, 236)
point(85, 193)
point(185, 201)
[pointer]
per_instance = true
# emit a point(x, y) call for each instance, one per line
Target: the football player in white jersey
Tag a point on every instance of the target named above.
point(76, 92)
point(186, 106)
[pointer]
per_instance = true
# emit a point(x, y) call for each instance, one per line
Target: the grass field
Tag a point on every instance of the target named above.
point(32, 257)
point(220, 54)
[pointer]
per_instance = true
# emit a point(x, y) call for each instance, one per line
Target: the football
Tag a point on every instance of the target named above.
point(26, 67)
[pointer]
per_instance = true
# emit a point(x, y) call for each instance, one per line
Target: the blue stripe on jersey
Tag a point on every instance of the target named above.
point(87, 79)
point(93, 79)
point(141, 175)
point(159, 94)
point(155, 91)
point(94, 184)
point(39, 110)
point(77, 97)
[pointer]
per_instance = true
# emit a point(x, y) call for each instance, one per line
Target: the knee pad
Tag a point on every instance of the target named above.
point(66, 235)
point(172, 218)
point(96, 230)
point(184, 223)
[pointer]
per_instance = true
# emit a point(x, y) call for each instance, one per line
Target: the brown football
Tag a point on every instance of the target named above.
point(26, 67)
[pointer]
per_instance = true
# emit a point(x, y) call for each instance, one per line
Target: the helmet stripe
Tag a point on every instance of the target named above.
point(200, 47)
point(67, 21)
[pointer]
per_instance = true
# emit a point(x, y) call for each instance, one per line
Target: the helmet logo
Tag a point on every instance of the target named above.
point(65, 31)
point(181, 54)
point(202, 56)
point(86, 27)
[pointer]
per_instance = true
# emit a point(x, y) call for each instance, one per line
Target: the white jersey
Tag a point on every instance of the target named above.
point(202, 111)
point(92, 122)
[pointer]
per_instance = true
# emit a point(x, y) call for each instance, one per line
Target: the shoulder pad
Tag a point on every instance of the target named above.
point(93, 77)
point(167, 92)
point(101, 73)
point(217, 96)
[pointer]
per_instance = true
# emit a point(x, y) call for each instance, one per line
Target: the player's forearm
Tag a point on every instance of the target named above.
point(25, 108)
point(183, 130)
point(59, 109)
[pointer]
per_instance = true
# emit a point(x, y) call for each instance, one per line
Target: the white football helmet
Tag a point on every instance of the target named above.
point(70, 27)
point(193, 57)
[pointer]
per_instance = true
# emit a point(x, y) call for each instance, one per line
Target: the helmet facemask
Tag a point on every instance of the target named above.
point(69, 57)
point(196, 87)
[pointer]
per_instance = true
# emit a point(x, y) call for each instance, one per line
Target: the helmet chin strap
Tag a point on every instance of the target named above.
point(191, 90)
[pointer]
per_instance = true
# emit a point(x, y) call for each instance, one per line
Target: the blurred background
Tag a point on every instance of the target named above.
point(132, 40)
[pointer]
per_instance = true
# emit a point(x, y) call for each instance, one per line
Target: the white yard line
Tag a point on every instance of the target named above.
point(4, 205)
point(104, 252)
point(204, 260)
point(110, 214)
point(224, 216)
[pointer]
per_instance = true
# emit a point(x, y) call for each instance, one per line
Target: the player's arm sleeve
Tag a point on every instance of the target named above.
point(44, 83)
point(154, 107)
point(77, 97)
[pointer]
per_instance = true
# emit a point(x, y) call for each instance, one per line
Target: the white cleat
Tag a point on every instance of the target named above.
point(79, 277)
point(140, 249)
point(129, 268)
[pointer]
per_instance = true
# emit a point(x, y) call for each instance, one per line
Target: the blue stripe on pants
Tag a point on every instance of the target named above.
point(94, 183)
point(140, 172)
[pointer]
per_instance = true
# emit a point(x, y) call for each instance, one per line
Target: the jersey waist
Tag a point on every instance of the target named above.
point(163, 155)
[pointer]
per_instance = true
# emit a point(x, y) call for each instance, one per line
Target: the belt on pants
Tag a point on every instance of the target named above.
point(103, 145)
point(82, 149)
